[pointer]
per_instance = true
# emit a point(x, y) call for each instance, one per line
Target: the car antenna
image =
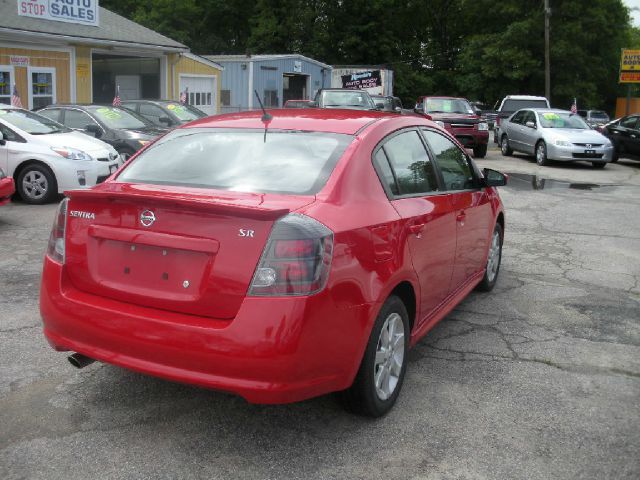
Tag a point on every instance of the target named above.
point(266, 116)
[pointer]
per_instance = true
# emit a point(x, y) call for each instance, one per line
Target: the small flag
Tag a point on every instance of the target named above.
point(184, 96)
point(574, 106)
point(116, 100)
point(15, 98)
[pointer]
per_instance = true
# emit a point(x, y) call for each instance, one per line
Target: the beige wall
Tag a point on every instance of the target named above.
point(186, 66)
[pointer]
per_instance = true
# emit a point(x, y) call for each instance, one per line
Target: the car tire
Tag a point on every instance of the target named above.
point(36, 184)
point(615, 156)
point(598, 165)
point(541, 154)
point(125, 153)
point(494, 257)
point(381, 373)
point(480, 151)
point(505, 149)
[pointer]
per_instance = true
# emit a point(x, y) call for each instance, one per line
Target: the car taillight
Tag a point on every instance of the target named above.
point(497, 120)
point(296, 259)
point(55, 249)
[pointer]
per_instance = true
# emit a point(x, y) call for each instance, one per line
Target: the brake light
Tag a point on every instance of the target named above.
point(296, 259)
point(497, 120)
point(55, 248)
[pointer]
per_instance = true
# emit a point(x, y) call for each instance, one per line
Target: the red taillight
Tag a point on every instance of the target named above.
point(296, 259)
point(497, 120)
point(55, 248)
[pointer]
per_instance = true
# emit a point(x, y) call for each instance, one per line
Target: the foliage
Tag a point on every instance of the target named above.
point(481, 49)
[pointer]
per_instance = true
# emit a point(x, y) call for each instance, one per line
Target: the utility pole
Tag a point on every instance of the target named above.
point(547, 61)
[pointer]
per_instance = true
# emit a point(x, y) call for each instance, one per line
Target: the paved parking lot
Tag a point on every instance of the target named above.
point(539, 379)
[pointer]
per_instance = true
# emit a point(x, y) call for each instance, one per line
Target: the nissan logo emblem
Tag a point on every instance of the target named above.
point(588, 145)
point(147, 218)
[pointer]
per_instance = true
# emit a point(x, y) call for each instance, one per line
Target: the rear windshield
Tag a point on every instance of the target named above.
point(115, 117)
point(289, 162)
point(355, 98)
point(513, 105)
point(599, 114)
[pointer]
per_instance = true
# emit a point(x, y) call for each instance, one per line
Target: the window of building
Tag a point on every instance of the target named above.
point(225, 98)
point(42, 86)
point(6, 79)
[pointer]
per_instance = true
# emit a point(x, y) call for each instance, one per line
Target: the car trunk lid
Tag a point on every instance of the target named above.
point(186, 250)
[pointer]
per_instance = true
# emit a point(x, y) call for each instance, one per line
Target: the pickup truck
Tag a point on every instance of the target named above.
point(511, 104)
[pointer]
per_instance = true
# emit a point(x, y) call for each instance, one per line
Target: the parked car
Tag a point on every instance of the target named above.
point(279, 263)
point(513, 103)
point(594, 118)
point(298, 104)
point(127, 131)
point(624, 134)
point(458, 117)
point(45, 158)
point(164, 113)
point(387, 103)
point(554, 135)
point(343, 98)
point(7, 186)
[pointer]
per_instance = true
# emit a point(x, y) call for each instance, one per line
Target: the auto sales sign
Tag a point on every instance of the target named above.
point(84, 12)
point(362, 80)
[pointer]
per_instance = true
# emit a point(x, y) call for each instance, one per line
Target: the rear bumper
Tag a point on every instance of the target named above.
point(7, 188)
point(276, 350)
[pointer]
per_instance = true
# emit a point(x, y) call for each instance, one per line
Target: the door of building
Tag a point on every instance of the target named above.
point(203, 91)
point(129, 86)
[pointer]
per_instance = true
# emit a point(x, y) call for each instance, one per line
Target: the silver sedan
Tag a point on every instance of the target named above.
point(554, 135)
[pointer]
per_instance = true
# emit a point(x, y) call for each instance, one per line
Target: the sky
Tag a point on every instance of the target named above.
point(635, 14)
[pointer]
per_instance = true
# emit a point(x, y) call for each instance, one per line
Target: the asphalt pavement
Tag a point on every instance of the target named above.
point(539, 379)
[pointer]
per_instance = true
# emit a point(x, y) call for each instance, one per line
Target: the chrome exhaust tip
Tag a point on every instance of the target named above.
point(80, 361)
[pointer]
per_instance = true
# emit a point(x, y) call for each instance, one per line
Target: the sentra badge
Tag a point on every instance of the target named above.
point(147, 218)
point(80, 214)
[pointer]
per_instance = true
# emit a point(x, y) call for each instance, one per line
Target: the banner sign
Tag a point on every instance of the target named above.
point(19, 61)
point(630, 66)
point(362, 80)
point(84, 12)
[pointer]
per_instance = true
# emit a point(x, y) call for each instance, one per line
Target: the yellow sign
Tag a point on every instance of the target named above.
point(630, 61)
point(82, 70)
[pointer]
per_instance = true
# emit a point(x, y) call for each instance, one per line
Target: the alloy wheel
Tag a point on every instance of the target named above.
point(493, 262)
point(389, 356)
point(35, 185)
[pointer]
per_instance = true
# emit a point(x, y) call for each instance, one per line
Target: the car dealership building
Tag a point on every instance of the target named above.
point(78, 52)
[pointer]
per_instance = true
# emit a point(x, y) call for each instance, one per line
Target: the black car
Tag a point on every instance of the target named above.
point(387, 103)
point(125, 130)
point(624, 133)
point(164, 113)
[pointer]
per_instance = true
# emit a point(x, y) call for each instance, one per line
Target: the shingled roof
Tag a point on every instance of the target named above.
point(112, 28)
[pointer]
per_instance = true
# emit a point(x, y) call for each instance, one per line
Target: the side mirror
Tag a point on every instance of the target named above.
point(2, 140)
point(95, 129)
point(397, 109)
point(379, 106)
point(493, 178)
point(166, 120)
point(530, 124)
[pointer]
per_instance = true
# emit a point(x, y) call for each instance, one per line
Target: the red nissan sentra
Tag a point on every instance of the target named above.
point(279, 258)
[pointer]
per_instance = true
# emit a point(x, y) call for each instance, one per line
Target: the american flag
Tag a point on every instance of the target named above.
point(574, 106)
point(116, 100)
point(15, 98)
point(184, 96)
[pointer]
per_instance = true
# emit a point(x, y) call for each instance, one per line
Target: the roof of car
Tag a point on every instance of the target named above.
point(347, 122)
point(547, 110)
point(524, 97)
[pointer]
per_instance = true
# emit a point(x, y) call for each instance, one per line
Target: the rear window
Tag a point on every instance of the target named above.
point(599, 114)
point(513, 105)
point(289, 162)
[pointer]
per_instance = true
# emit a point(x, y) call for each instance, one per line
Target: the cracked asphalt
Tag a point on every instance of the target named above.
point(539, 379)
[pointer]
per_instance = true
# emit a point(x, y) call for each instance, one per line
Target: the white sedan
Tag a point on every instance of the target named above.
point(46, 158)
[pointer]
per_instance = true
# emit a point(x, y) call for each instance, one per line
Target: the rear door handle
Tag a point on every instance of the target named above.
point(461, 216)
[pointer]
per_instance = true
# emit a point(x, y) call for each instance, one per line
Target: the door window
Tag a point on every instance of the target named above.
point(153, 113)
point(518, 117)
point(529, 116)
point(454, 165)
point(384, 172)
point(51, 114)
point(43, 86)
point(77, 119)
point(629, 122)
point(411, 164)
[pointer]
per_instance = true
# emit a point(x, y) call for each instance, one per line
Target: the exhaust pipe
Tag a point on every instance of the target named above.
point(79, 361)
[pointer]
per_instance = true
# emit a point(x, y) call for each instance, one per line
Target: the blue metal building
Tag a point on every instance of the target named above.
point(277, 78)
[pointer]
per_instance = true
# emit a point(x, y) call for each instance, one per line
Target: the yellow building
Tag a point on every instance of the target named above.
point(74, 54)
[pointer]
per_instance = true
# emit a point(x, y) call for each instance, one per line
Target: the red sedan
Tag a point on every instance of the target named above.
point(7, 188)
point(279, 258)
